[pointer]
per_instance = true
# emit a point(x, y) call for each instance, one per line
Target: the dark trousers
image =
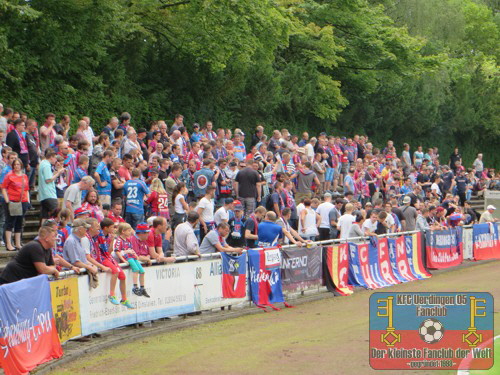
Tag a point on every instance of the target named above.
point(324, 234)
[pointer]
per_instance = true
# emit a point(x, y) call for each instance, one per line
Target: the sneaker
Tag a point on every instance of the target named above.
point(136, 291)
point(2, 243)
point(126, 303)
point(113, 300)
point(144, 293)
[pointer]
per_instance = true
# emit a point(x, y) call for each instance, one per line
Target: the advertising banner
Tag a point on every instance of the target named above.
point(170, 287)
point(431, 331)
point(337, 258)
point(265, 276)
point(301, 268)
point(28, 335)
point(444, 248)
point(208, 287)
point(486, 244)
point(66, 308)
point(385, 263)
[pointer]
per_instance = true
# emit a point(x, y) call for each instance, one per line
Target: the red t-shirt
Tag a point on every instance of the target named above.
point(159, 203)
point(116, 219)
point(154, 240)
point(124, 173)
point(14, 183)
point(140, 247)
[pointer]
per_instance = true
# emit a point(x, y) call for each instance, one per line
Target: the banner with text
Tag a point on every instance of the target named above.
point(337, 260)
point(234, 272)
point(265, 276)
point(301, 268)
point(486, 244)
point(170, 287)
point(28, 335)
point(66, 308)
point(444, 248)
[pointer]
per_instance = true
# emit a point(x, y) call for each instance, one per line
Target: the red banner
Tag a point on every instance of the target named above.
point(385, 263)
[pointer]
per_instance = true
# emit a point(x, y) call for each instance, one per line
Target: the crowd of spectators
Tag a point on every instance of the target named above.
point(136, 195)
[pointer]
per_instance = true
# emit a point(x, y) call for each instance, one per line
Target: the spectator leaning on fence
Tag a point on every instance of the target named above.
point(33, 259)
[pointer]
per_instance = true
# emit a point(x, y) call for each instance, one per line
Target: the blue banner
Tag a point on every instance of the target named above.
point(264, 276)
point(486, 243)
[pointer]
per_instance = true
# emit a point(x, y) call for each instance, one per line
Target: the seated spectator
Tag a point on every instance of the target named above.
point(215, 241)
point(487, 216)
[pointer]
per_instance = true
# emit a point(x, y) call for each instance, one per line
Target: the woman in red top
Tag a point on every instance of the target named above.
point(15, 188)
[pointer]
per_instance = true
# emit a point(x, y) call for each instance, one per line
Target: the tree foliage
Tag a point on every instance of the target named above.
point(423, 72)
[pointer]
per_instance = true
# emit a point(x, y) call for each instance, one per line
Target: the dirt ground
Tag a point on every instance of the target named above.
point(329, 336)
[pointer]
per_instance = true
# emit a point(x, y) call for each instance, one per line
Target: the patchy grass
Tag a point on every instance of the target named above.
point(329, 336)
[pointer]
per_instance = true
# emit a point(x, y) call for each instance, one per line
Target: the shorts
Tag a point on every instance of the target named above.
point(115, 268)
point(49, 207)
point(329, 174)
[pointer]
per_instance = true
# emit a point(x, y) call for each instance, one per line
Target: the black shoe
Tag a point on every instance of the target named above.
point(95, 335)
point(144, 293)
point(136, 291)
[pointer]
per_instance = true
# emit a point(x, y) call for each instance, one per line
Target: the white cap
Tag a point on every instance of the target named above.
point(491, 207)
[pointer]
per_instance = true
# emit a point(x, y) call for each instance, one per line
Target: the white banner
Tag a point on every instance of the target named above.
point(170, 287)
point(208, 286)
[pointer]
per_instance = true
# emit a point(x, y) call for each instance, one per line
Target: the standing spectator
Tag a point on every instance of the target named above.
point(47, 132)
point(334, 217)
point(409, 215)
point(478, 165)
point(63, 127)
point(110, 128)
point(206, 211)
point(172, 180)
point(102, 177)
point(17, 141)
point(256, 137)
point(131, 142)
point(15, 190)
point(239, 147)
point(268, 231)
point(203, 179)
point(461, 182)
point(247, 187)
point(305, 179)
point(185, 241)
point(158, 200)
point(324, 210)
point(454, 158)
point(31, 139)
point(33, 259)
point(47, 194)
point(252, 226)
point(134, 191)
point(180, 205)
point(222, 214)
point(346, 221)
point(7, 115)
point(309, 221)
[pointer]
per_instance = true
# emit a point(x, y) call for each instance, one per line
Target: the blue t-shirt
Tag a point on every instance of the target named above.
point(103, 172)
point(269, 233)
point(79, 174)
point(134, 191)
point(202, 179)
point(196, 137)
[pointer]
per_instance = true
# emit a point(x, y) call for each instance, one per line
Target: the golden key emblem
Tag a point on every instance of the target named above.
point(390, 337)
point(472, 337)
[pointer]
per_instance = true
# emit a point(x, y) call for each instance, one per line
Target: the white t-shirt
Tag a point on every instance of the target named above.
point(220, 215)
point(207, 214)
point(370, 225)
point(345, 224)
point(309, 151)
point(324, 211)
point(390, 221)
point(435, 188)
point(300, 207)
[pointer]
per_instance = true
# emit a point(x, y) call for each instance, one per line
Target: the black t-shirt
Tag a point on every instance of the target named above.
point(22, 266)
point(115, 193)
point(397, 211)
point(462, 182)
point(250, 225)
point(424, 178)
point(447, 180)
point(247, 180)
point(381, 228)
point(236, 236)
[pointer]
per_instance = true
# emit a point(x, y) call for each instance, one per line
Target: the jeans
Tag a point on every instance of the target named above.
point(31, 177)
point(134, 219)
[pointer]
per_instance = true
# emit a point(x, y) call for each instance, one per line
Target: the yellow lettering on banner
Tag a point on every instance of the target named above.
point(66, 308)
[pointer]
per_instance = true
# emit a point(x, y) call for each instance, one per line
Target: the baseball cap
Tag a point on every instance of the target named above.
point(106, 206)
point(81, 211)
point(228, 200)
point(301, 150)
point(327, 195)
point(406, 199)
point(238, 206)
point(142, 228)
point(80, 223)
point(440, 209)
point(491, 207)
point(196, 125)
